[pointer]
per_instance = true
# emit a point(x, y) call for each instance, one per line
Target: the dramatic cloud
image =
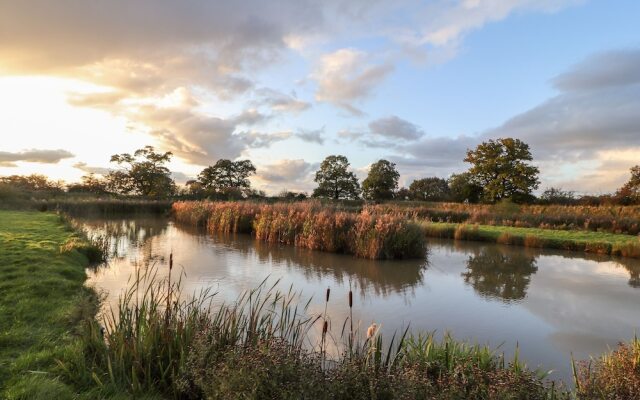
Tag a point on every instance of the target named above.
point(347, 76)
point(8, 159)
point(395, 128)
point(597, 110)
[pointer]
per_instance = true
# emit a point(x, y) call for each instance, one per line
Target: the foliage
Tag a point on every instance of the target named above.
point(227, 178)
point(90, 184)
point(629, 193)
point(557, 196)
point(500, 167)
point(613, 376)
point(366, 234)
point(381, 182)
point(335, 181)
point(463, 189)
point(142, 173)
point(263, 345)
point(429, 189)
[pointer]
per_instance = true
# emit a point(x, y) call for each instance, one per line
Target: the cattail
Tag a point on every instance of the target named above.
point(328, 292)
point(170, 261)
point(372, 330)
point(350, 299)
point(325, 328)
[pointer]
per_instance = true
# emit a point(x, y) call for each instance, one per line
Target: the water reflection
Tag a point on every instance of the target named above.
point(500, 273)
point(552, 303)
point(382, 277)
point(121, 234)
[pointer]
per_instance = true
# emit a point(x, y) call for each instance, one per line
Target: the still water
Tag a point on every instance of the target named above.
point(550, 304)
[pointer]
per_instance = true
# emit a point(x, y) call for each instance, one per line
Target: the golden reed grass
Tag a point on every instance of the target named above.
point(367, 234)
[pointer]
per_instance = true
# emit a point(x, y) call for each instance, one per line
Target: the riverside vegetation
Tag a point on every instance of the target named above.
point(161, 343)
point(392, 231)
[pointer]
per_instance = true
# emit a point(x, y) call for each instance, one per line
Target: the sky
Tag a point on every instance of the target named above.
point(286, 83)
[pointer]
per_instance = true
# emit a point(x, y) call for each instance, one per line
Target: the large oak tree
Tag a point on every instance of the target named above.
point(501, 168)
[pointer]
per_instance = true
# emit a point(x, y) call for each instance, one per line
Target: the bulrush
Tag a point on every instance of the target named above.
point(366, 234)
point(371, 331)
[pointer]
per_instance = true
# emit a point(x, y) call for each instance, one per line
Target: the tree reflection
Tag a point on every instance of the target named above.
point(121, 234)
point(500, 273)
point(384, 277)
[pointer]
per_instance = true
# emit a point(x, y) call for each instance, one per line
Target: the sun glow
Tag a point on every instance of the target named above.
point(36, 114)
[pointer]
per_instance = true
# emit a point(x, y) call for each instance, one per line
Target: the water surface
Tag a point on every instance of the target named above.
point(548, 303)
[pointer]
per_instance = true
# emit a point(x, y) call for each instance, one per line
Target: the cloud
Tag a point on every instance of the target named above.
point(596, 110)
point(347, 76)
point(445, 23)
point(395, 128)
point(286, 174)
point(312, 136)
point(8, 159)
point(601, 71)
point(261, 139)
point(84, 167)
point(280, 102)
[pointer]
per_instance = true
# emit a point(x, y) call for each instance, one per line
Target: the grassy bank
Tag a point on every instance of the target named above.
point(42, 301)
point(590, 242)
point(604, 218)
point(266, 345)
point(311, 225)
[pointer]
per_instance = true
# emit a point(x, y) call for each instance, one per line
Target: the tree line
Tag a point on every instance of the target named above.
point(499, 169)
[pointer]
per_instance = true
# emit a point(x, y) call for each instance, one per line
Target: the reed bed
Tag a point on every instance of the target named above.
point(615, 375)
point(368, 234)
point(611, 219)
point(158, 342)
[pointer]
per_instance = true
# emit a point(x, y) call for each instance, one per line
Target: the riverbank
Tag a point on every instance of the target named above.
point(42, 303)
point(581, 241)
point(310, 225)
point(259, 346)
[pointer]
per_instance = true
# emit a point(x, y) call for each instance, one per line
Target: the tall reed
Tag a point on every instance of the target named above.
point(158, 341)
point(367, 234)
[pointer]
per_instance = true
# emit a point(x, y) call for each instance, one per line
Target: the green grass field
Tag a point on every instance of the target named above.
point(591, 242)
point(42, 301)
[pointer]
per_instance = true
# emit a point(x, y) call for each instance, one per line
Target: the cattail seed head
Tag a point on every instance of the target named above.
point(328, 292)
point(325, 327)
point(350, 299)
point(171, 261)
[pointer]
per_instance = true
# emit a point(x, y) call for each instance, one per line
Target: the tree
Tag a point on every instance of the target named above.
point(402, 194)
point(335, 181)
point(227, 177)
point(462, 189)
point(557, 196)
point(90, 184)
point(629, 193)
point(142, 173)
point(381, 182)
point(500, 167)
point(430, 189)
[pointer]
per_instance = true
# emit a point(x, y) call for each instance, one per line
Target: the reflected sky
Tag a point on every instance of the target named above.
point(551, 303)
